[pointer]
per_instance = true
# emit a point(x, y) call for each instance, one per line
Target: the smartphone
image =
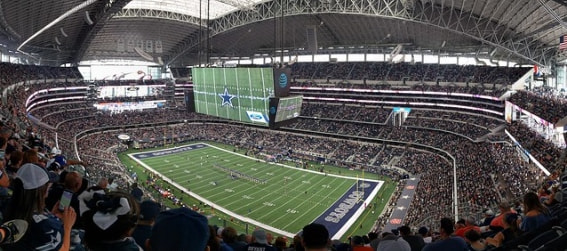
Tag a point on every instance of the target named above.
point(65, 200)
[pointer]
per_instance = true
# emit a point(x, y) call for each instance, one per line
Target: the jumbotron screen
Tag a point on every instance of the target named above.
point(130, 91)
point(240, 94)
point(288, 108)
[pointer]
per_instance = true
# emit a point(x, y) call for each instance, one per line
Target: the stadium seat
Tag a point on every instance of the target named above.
point(543, 238)
point(564, 224)
point(557, 244)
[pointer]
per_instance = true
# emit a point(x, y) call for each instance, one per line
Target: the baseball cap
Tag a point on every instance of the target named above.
point(34, 176)
point(179, 229)
point(259, 236)
point(149, 210)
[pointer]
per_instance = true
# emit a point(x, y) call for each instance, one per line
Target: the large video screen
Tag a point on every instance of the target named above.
point(129, 106)
point(234, 93)
point(288, 108)
point(130, 91)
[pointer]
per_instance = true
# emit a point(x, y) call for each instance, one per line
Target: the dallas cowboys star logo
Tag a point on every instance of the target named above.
point(226, 98)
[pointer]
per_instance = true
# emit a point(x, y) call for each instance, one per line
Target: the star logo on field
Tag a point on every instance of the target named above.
point(226, 98)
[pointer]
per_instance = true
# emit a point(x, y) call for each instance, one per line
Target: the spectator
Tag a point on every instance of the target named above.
point(296, 245)
point(259, 242)
point(14, 164)
point(281, 243)
point(149, 210)
point(474, 241)
point(488, 217)
point(393, 242)
point(72, 182)
point(179, 229)
point(536, 213)
point(214, 243)
point(446, 241)
point(374, 240)
point(50, 230)
point(136, 192)
point(109, 222)
point(357, 244)
point(497, 224)
point(315, 237)
point(470, 224)
point(424, 232)
point(230, 237)
point(112, 186)
point(510, 232)
point(415, 241)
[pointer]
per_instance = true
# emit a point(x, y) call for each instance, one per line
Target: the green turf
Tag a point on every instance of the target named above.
point(289, 200)
point(361, 226)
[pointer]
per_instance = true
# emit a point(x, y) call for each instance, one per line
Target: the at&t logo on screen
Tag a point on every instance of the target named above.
point(283, 80)
point(272, 110)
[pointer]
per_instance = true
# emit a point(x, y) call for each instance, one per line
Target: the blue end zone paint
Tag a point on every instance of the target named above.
point(145, 155)
point(343, 209)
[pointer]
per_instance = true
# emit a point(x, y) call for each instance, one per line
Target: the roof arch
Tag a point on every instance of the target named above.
point(518, 30)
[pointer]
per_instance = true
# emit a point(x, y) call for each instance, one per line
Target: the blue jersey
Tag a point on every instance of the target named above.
point(45, 232)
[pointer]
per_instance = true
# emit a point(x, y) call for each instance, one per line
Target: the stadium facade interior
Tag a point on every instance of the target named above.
point(366, 115)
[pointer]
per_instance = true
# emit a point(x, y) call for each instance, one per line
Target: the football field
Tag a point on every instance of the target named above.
point(279, 198)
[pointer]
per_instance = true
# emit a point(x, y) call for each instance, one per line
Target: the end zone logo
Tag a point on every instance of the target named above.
point(364, 185)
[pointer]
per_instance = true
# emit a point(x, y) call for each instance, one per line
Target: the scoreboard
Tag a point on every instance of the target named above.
point(245, 94)
point(286, 108)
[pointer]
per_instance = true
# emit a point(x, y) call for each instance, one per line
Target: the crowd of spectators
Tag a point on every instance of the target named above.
point(450, 88)
point(544, 104)
point(549, 155)
point(486, 173)
point(406, 71)
point(16, 73)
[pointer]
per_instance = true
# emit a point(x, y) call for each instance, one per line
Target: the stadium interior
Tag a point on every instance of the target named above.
point(442, 122)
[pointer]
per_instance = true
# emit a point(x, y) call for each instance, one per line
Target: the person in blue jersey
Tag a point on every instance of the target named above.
point(447, 241)
point(48, 230)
